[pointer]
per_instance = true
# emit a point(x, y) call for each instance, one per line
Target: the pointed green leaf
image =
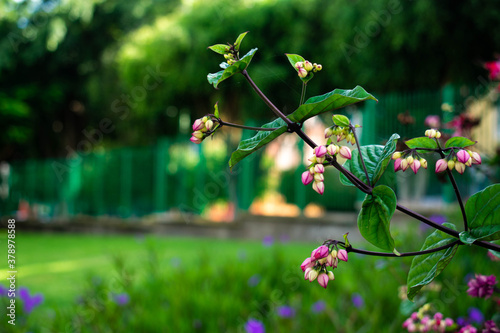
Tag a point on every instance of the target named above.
point(493, 252)
point(421, 142)
point(237, 44)
point(377, 158)
point(237, 67)
point(248, 146)
point(458, 141)
point(216, 112)
point(374, 219)
point(424, 268)
point(295, 58)
point(219, 48)
point(483, 215)
point(335, 99)
point(341, 120)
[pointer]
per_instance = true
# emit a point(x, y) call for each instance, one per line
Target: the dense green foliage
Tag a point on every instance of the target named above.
point(66, 67)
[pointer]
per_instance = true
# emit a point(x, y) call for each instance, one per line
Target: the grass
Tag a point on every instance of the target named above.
point(198, 284)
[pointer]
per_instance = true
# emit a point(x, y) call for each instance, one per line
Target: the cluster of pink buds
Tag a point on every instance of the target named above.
point(341, 133)
point(305, 67)
point(482, 286)
point(410, 160)
point(202, 128)
point(432, 134)
point(315, 171)
point(458, 161)
point(315, 266)
point(422, 322)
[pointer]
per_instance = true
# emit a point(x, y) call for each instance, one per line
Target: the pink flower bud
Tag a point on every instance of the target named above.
point(342, 255)
point(460, 167)
point(308, 66)
point(332, 150)
point(195, 140)
point(331, 277)
point(198, 134)
point(319, 187)
point(307, 272)
point(308, 263)
point(313, 274)
point(463, 156)
point(323, 280)
point(320, 160)
point(330, 260)
point(320, 252)
point(441, 165)
point(397, 165)
point(209, 124)
point(318, 177)
point(415, 166)
point(476, 158)
point(449, 322)
point(302, 72)
point(299, 64)
point(404, 164)
point(307, 178)
point(320, 151)
point(198, 125)
point(319, 168)
point(423, 163)
point(345, 152)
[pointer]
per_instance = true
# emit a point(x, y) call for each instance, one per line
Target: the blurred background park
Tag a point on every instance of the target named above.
point(97, 99)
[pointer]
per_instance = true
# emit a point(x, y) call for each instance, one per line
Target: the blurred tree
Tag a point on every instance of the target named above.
point(128, 72)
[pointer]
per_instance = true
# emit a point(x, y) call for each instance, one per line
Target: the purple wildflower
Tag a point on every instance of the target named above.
point(490, 327)
point(254, 326)
point(357, 300)
point(121, 299)
point(285, 311)
point(3, 290)
point(318, 306)
point(253, 280)
point(268, 241)
point(481, 286)
point(475, 315)
point(29, 302)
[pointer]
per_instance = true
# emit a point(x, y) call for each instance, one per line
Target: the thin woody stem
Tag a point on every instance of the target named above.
point(245, 127)
point(404, 254)
point(303, 95)
point(455, 188)
point(353, 130)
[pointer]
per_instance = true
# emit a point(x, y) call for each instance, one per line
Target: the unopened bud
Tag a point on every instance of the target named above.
point(331, 277)
point(308, 66)
point(319, 168)
point(476, 158)
point(313, 274)
point(198, 134)
point(328, 132)
point(319, 187)
point(332, 149)
point(451, 164)
point(460, 167)
point(302, 72)
point(410, 160)
point(209, 124)
point(299, 64)
point(441, 165)
point(423, 163)
point(320, 151)
point(318, 177)
point(396, 155)
point(345, 152)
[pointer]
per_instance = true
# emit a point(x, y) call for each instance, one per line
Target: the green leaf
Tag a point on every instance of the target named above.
point(341, 120)
point(424, 268)
point(248, 146)
point(377, 158)
point(237, 67)
point(295, 58)
point(335, 99)
point(216, 112)
point(458, 141)
point(483, 215)
point(493, 252)
point(374, 219)
point(219, 48)
point(421, 142)
point(237, 44)
point(223, 65)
